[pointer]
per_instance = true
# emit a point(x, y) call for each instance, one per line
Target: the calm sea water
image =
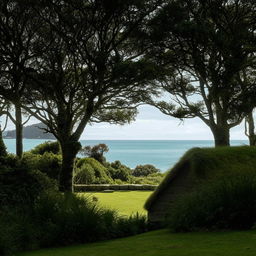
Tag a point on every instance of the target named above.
point(161, 153)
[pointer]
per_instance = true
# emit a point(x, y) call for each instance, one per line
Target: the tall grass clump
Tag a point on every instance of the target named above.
point(58, 219)
point(228, 203)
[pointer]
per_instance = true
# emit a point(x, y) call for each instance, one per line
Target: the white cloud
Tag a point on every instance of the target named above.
point(151, 124)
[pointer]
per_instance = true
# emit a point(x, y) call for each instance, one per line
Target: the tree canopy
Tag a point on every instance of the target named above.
point(207, 49)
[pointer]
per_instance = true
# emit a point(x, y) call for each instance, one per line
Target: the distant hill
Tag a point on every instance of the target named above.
point(34, 131)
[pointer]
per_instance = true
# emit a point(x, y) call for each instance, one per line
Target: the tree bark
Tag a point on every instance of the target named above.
point(221, 135)
point(69, 150)
point(3, 151)
point(251, 127)
point(19, 131)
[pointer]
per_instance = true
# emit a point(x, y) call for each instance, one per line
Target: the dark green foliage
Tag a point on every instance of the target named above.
point(95, 152)
point(62, 219)
point(48, 146)
point(84, 175)
point(21, 187)
point(70, 220)
point(91, 171)
point(48, 163)
point(152, 179)
point(228, 203)
point(144, 170)
point(132, 225)
point(9, 162)
point(119, 171)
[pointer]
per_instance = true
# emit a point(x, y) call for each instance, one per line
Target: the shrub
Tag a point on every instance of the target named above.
point(48, 146)
point(84, 175)
point(20, 187)
point(90, 170)
point(225, 204)
point(132, 225)
point(47, 163)
point(119, 171)
point(151, 179)
point(70, 219)
point(58, 219)
point(144, 170)
point(9, 161)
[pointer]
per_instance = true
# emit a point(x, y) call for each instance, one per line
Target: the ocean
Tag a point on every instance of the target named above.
point(163, 154)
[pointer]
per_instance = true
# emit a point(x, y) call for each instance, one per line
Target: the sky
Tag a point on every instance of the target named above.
point(151, 124)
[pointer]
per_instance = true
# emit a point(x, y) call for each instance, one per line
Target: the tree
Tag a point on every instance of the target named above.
point(3, 111)
point(250, 129)
point(18, 25)
point(205, 47)
point(89, 72)
point(95, 152)
point(144, 170)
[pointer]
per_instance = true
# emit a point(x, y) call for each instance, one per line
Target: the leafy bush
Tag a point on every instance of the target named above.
point(48, 146)
point(225, 204)
point(152, 179)
point(62, 219)
point(9, 162)
point(132, 225)
point(22, 187)
point(84, 175)
point(144, 170)
point(47, 163)
point(91, 171)
point(119, 171)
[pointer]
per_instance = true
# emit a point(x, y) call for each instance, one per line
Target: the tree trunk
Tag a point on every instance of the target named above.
point(19, 131)
point(251, 127)
point(69, 150)
point(3, 151)
point(221, 135)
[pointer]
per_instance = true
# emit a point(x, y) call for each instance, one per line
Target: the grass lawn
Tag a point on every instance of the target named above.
point(163, 243)
point(125, 202)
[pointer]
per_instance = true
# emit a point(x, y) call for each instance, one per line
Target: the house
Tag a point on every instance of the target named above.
point(197, 167)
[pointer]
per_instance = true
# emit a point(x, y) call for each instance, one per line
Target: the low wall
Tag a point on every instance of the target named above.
point(115, 187)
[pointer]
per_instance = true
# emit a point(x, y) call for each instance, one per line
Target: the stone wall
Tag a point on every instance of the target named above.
point(115, 187)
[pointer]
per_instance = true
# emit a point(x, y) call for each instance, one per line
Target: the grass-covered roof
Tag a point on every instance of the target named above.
point(209, 163)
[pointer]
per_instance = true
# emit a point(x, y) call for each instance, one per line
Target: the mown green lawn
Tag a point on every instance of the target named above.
point(125, 202)
point(164, 243)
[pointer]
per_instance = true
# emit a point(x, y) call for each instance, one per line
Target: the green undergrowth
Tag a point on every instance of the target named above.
point(164, 243)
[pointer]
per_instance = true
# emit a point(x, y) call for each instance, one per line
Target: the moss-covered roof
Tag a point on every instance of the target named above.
point(207, 163)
